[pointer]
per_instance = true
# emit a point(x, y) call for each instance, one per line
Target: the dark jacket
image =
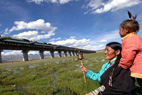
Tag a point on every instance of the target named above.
point(122, 82)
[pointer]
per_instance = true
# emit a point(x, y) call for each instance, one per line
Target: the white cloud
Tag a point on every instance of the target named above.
point(37, 1)
point(55, 39)
point(90, 44)
point(38, 25)
point(81, 43)
point(110, 36)
point(72, 37)
point(107, 37)
point(6, 31)
point(97, 6)
point(45, 27)
point(96, 43)
point(33, 52)
point(64, 1)
point(52, 1)
point(34, 35)
point(103, 40)
point(72, 42)
point(19, 52)
point(94, 47)
point(14, 52)
point(46, 52)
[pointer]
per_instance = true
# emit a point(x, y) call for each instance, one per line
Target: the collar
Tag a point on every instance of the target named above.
point(112, 60)
point(128, 35)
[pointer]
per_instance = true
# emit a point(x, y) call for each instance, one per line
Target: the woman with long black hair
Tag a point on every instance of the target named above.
point(117, 81)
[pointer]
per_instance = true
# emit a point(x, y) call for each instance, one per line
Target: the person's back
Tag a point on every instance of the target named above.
point(131, 47)
point(132, 55)
point(136, 65)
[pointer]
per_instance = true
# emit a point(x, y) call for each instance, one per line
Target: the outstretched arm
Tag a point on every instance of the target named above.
point(92, 75)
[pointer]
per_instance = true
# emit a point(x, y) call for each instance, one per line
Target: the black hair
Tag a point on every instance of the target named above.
point(131, 23)
point(116, 46)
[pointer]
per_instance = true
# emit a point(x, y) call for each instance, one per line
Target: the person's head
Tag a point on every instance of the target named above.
point(112, 50)
point(129, 26)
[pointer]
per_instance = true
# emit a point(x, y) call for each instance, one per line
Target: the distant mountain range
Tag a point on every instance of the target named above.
point(7, 58)
point(19, 57)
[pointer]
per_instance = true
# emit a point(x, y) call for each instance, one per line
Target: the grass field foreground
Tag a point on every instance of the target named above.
point(57, 76)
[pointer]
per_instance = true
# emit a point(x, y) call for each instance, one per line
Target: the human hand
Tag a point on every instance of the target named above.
point(84, 69)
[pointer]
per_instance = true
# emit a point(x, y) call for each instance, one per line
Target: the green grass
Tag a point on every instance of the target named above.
point(57, 76)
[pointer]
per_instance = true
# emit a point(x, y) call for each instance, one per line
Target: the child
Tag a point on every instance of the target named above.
point(131, 47)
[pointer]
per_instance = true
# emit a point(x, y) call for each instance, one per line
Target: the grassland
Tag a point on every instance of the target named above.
point(57, 76)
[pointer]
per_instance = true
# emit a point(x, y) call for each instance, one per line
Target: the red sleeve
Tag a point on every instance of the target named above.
point(129, 49)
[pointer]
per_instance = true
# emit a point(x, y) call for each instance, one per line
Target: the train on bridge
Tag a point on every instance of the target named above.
point(9, 43)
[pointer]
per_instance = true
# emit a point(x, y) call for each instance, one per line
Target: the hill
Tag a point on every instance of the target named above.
point(58, 76)
point(8, 58)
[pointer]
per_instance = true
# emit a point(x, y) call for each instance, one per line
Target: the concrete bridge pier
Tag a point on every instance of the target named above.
point(65, 53)
point(52, 54)
point(73, 53)
point(0, 56)
point(59, 52)
point(41, 52)
point(76, 53)
point(69, 53)
point(25, 55)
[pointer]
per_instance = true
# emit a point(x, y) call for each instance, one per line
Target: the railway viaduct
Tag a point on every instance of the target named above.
point(25, 45)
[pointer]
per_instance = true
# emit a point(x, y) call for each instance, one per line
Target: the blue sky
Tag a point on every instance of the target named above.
point(87, 24)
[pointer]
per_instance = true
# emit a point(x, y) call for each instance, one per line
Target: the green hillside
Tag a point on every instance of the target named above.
point(58, 76)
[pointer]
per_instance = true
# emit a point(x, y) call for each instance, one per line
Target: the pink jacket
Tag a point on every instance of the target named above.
point(132, 55)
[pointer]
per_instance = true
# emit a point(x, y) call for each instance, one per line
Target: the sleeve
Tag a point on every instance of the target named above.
point(129, 50)
point(96, 76)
